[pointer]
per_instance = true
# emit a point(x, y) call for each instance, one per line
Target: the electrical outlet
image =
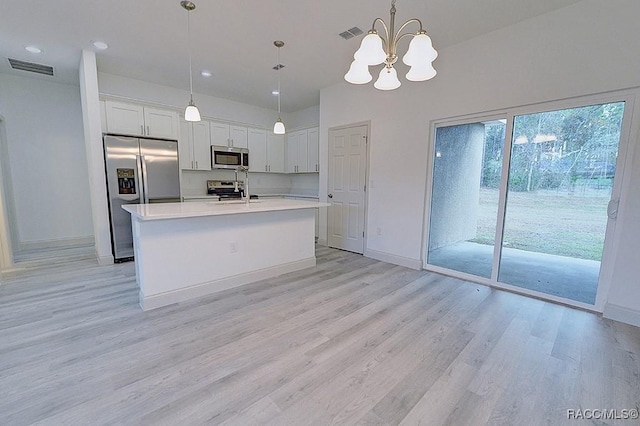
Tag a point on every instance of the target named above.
point(379, 231)
point(233, 247)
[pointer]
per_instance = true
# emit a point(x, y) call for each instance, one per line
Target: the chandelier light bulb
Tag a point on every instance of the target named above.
point(358, 73)
point(371, 51)
point(388, 79)
point(420, 51)
point(421, 72)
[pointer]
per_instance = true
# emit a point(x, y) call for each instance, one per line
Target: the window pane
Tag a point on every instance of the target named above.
point(464, 204)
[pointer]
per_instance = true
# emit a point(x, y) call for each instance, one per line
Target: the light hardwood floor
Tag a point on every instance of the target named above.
point(351, 341)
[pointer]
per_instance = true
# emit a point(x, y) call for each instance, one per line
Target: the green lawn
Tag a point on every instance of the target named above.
point(547, 222)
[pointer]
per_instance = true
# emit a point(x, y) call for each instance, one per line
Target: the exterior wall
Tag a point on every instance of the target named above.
point(457, 173)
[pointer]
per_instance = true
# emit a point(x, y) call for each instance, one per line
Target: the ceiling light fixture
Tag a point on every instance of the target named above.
point(278, 127)
point(205, 73)
point(33, 49)
point(100, 44)
point(375, 50)
point(191, 112)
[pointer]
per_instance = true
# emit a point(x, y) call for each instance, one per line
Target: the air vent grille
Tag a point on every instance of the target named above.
point(278, 67)
point(30, 67)
point(350, 33)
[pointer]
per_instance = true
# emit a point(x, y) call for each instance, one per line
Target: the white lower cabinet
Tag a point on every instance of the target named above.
point(317, 211)
point(194, 145)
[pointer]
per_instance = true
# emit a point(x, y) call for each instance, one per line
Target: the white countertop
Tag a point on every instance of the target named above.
point(214, 208)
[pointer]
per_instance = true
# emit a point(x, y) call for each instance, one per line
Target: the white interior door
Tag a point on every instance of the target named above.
point(347, 171)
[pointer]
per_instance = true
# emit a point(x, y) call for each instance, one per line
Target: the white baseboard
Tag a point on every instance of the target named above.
point(392, 258)
point(57, 243)
point(621, 314)
point(104, 260)
point(204, 289)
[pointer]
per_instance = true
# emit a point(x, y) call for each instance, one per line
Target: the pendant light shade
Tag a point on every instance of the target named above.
point(191, 112)
point(358, 73)
point(387, 80)
point(278, 127)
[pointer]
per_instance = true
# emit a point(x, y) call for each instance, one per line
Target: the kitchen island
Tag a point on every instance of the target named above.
point(188, 250)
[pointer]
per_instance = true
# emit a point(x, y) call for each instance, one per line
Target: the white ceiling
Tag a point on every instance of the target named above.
point(234, 39)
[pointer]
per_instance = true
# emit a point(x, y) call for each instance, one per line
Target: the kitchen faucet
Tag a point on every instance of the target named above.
point(244, 169)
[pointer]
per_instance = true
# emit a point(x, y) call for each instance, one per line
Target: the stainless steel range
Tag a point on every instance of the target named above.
point(225, 189)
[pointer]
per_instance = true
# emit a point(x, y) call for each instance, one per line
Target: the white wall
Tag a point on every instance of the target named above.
point(308, 117)
point(585, 48)
point(44, 136)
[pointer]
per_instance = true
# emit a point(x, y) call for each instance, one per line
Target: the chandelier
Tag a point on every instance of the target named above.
point(375, 50)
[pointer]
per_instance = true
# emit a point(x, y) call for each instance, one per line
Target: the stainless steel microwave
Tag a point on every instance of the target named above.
point(224, 157)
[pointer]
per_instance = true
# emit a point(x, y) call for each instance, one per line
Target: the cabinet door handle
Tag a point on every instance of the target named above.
point(148, 132)
point(265, 168)
point(142, 130)
point(269, 167)
point(196, 164)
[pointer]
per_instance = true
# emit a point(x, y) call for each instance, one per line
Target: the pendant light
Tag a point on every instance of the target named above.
point(191, 112)
point(278, 127)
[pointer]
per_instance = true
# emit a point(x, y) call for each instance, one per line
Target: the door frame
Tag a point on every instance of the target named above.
point(621, 183)
point(366, 176)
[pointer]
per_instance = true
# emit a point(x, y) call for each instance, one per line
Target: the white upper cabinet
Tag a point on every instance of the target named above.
point(266, 151)
point(131, 119)
point(239, 136)
point(223, 134)
point(302, 152)
point(313, 143)
point(258, 150)
point(194, 145)
point(220, 134)
point(275, 153)
point(160, 123)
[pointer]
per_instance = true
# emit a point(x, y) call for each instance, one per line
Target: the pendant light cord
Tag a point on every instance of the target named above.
point(279, 68)
point(189, 49)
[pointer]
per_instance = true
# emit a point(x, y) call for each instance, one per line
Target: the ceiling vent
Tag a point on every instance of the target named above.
point(278, 67)
point(350, 33)
point(30, 67)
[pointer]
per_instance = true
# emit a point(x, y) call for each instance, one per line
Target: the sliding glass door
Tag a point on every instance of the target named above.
point(531, 212)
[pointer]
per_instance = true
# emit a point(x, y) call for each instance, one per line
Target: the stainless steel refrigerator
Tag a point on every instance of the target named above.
point(139, 171)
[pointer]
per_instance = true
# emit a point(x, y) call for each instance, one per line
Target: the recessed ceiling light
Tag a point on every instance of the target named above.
point(33, 49)
point(206, 73)
point(275, 92)
point(100, 44)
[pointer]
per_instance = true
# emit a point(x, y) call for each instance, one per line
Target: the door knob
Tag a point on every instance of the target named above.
point(330, 195)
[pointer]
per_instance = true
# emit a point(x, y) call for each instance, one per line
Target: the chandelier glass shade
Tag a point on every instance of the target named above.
point(375, 50)
point(191, 112)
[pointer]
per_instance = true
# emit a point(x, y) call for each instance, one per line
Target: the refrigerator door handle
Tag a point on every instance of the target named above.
point(141, 186)
point(145, 183)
